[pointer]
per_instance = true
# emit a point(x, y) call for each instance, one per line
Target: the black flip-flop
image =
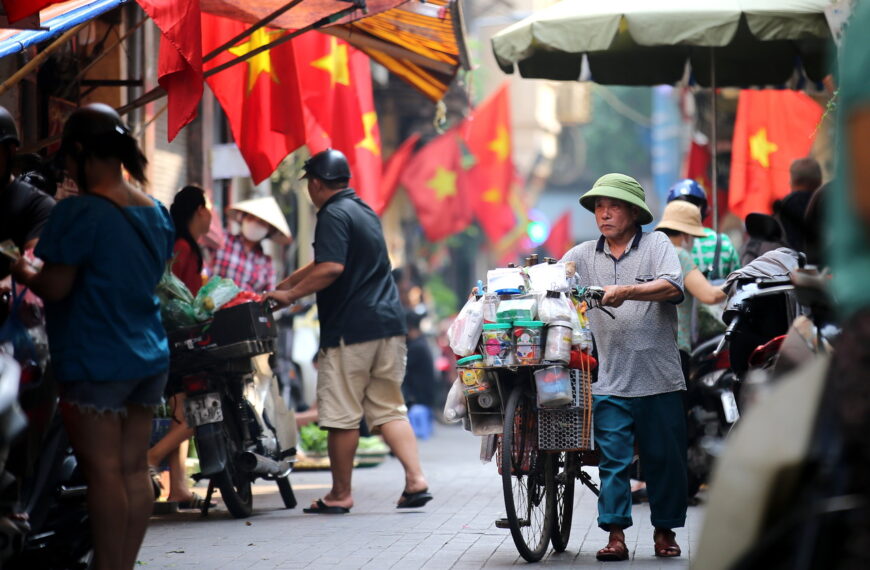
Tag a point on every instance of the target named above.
point(324, 509)
point(415, 500)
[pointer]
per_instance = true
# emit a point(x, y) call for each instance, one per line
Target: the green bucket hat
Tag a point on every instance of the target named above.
point(621, 187)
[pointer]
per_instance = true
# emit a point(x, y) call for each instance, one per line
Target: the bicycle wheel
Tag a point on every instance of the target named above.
point(561, 483)
point(528, 504)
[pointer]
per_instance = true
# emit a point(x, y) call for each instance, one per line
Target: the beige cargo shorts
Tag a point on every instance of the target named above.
point(362, 380)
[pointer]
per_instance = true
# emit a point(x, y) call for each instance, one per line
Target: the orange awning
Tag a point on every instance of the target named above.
point(421, 42)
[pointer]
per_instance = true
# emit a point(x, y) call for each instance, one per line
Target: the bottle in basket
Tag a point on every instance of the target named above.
point(558, 345)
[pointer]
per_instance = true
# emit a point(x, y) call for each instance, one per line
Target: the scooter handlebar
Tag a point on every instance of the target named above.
point(727, 336)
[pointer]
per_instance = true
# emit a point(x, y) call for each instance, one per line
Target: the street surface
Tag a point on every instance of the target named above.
point(455, 530)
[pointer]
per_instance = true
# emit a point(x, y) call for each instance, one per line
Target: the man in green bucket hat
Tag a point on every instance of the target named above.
point(638, 395)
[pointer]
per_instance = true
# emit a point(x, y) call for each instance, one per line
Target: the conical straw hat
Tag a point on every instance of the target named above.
point(266, 209)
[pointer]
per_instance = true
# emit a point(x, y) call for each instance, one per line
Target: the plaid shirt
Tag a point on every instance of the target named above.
point(251, 271)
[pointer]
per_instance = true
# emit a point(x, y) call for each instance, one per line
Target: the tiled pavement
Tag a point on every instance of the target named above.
point(455, 530)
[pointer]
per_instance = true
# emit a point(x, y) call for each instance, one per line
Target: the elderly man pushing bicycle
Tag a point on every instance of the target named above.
point(638, 396)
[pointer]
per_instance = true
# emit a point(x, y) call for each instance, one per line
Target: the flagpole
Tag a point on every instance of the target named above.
point(713, 129)
point(262, 23)
point(283, 39)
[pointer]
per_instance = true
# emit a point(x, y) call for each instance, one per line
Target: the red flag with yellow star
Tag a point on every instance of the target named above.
point(559, 241)
point(393, 169)
point(773, 128)
point(487, 133)
point(260, 96)
point(434, 186)
point(179, 65)
point(336, 82)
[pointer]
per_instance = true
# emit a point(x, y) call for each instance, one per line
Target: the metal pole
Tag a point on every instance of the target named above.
point(714, 140)
point(264, 22)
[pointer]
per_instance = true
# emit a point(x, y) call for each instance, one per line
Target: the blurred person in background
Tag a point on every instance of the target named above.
point(805, 176)
point(704, 250)
point(681, 222)
point(191, 217)
point(24, 209)
point(104, 254)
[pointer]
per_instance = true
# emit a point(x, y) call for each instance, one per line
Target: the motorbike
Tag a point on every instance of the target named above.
point(761, 306)
point(233, 404)
point(43, 510)
point(803, 504)
point(712, 410)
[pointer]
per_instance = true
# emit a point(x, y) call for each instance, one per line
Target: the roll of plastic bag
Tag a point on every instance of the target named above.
point(455, 408)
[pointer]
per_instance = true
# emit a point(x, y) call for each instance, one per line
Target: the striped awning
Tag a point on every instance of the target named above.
point(55, 20)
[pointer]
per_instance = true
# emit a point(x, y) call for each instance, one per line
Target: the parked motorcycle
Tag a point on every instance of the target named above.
point(233, 404)
point(711, 405)
point(43, 510)
point(761, 307)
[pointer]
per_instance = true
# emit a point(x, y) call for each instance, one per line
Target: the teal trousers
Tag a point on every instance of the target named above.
point(658, 423)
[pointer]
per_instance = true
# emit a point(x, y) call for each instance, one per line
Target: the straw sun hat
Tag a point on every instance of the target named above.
point(683, 217)
point(267, 210)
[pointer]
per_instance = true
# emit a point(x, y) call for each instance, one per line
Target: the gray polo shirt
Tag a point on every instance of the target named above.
point(637, 351)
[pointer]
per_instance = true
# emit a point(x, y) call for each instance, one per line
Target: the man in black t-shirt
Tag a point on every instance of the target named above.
point(361, 362)
point(23, 209)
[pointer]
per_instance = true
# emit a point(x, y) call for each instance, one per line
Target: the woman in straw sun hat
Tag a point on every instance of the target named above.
point(242, 258)
point(681, 222)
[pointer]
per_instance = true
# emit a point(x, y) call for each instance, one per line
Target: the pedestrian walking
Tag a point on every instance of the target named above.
point(104, 253)
point(639, 393)
point(361, 361)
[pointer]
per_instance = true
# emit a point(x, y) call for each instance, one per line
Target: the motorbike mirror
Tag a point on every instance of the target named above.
point(763, 227)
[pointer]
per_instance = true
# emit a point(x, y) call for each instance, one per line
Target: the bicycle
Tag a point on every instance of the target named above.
point(542, 452)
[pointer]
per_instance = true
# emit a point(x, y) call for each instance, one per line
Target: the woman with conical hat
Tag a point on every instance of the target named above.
point(242, 258)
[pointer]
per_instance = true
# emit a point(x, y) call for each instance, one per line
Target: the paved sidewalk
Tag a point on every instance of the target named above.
point(455, 530)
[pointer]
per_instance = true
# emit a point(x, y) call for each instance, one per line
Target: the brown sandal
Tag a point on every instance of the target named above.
point(615, 551)
point(665, 543)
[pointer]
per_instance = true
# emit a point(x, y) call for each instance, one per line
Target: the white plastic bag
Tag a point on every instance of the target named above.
point(555, 307)
point(502, 278)
point(464, 332)
point(455, 408)
point(548, 277)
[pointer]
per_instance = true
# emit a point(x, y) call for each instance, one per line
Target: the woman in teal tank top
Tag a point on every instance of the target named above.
point(104, 252)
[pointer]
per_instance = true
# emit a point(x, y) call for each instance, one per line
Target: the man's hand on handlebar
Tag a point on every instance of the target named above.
point(614, 295)
point(281, 298)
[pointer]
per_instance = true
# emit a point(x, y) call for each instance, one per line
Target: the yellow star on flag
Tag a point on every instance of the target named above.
point(760, 148)
point(260, 63)
point(493, 195)
point(335, 63)
point(501, 145)
point(370, 121)
point(444, 183)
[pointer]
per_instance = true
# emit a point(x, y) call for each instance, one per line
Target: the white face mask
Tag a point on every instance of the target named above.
point(254, 230)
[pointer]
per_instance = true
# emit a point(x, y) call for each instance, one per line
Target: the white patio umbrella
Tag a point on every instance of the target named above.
point(714, 43)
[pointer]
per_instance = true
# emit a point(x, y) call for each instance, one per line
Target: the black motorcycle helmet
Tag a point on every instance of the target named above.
point(329, 165)
point(97, 130)
point(8, 128)
point(86, 125)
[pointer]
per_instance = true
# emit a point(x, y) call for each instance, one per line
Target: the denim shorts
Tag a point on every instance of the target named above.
point(114, 395)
